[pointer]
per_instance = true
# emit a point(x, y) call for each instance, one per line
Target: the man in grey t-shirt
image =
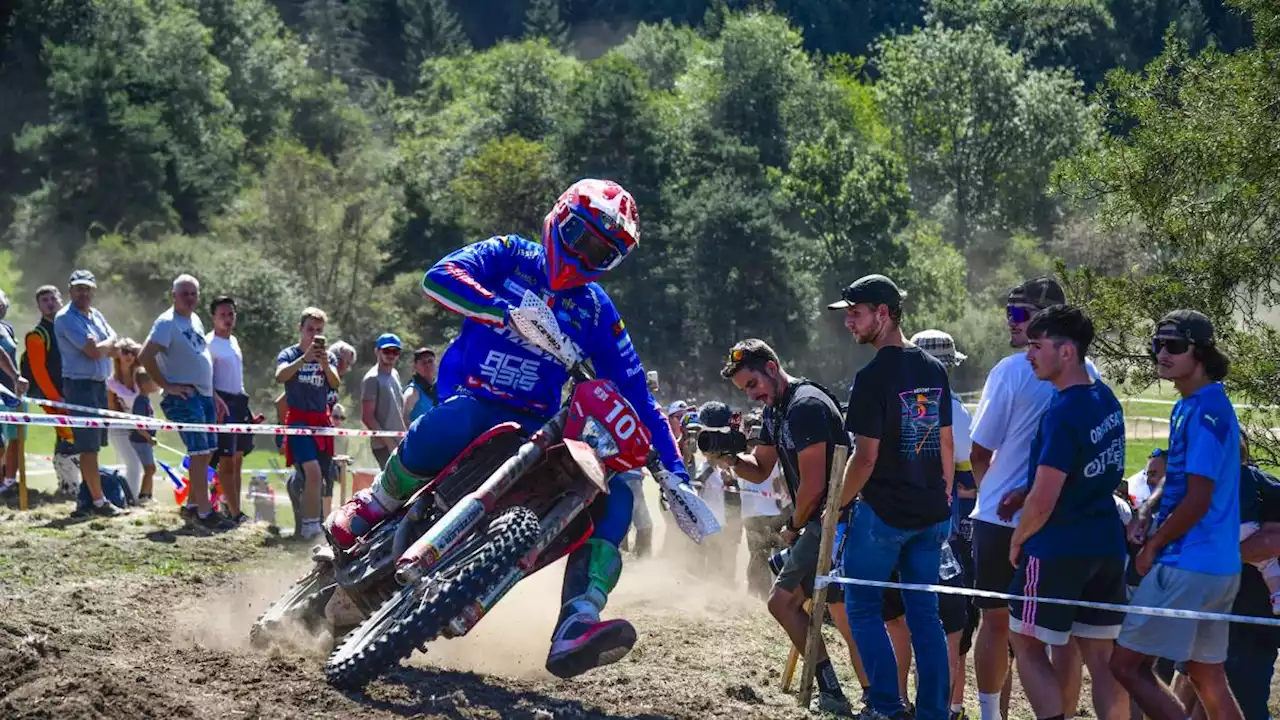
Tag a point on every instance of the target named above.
point(86, 344)
point(177, 356)
point(380, 394)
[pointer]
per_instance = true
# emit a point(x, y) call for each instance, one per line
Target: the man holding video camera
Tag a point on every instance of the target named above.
point(801, 427)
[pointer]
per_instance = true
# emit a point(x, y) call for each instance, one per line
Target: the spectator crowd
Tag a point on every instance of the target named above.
point(1025, 497)
point(74, 356)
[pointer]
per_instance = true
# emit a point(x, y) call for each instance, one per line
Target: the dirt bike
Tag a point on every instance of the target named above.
point(506, 507)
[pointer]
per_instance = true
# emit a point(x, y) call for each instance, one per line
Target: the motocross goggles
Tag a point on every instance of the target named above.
point(591, 248)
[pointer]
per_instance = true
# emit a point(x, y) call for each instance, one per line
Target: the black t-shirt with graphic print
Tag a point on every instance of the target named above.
point(804, 416)
point(903, 399)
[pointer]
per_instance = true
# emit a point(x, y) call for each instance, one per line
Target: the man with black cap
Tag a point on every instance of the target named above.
point(1192, 559)
point(903, 467)
point(1004, 426)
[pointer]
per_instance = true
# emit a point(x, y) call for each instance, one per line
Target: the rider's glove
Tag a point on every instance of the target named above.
point(692, 515)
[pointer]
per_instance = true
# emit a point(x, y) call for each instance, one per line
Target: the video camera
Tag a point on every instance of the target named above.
point(722, 441)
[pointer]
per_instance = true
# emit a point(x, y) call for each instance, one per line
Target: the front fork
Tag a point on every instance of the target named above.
point(466, 514)
point(561, 514)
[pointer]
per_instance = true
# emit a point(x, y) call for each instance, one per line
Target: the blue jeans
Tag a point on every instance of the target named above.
point(438, 435)
point(872, 550)
point(196, 409)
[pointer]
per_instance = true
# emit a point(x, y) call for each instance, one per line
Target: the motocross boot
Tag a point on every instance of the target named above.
point(371, 506)
point(583, 641)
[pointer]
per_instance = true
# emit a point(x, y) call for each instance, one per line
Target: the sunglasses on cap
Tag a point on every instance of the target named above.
point(585, 243)
point(1175, 346)
point(1019, 314)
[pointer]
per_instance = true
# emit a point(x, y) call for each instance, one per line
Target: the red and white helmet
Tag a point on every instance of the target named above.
point(593, 227)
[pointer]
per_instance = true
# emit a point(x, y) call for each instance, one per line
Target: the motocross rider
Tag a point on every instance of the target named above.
point(493, 375)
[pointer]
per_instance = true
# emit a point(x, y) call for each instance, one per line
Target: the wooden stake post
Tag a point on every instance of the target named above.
point(22, 467)
point(818, 608)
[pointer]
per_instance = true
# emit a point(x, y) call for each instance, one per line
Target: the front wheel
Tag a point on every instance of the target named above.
point(417, 613)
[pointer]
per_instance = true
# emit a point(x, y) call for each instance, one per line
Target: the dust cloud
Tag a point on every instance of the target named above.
point(513, 639)
point(220, 620)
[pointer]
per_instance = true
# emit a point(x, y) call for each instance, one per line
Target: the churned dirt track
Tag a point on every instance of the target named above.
point(137, 617)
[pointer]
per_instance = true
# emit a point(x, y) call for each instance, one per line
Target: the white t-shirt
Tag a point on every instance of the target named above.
point(754, 505)
point(713, 495)
point(228, 364)
point(961, 426)
point(1005, 422)
point(1139, 490)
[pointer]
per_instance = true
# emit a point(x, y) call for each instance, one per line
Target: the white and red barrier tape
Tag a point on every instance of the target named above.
point(139, 422)
point(111, 419)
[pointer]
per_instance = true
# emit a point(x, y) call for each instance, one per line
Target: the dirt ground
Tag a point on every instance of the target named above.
point(138, 617)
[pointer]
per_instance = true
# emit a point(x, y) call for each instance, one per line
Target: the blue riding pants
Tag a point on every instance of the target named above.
point(437, 436)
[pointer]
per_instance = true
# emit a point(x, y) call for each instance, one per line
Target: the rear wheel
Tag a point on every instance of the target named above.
point(417, 613)
point(300, 607)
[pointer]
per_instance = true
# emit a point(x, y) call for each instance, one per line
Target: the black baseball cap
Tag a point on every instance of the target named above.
point(1188, 325)
point(714, 414)
point(1041, 292)
point(873, 290)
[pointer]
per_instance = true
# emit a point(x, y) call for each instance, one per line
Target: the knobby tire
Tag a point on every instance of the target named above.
point(406, 622)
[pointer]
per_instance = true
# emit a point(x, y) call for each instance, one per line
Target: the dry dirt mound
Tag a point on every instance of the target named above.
point(139, 618)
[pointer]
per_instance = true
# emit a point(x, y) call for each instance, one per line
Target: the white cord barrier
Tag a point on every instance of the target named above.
point(824, 580)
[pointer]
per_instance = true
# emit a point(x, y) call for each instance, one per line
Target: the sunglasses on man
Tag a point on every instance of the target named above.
point(1019, 314)
point(1175, 346)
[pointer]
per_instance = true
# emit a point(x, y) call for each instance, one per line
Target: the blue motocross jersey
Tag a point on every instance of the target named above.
point(482, 282)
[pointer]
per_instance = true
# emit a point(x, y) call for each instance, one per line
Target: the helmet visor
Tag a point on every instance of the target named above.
point(585, 243)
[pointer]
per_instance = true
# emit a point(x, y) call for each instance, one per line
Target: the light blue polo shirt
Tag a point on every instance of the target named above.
point(73, 329)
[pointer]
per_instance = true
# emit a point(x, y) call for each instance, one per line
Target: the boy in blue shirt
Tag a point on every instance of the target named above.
point(1190, 560)
point(1069, 542)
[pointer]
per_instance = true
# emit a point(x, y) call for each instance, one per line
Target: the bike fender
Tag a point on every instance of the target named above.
point(587, 459)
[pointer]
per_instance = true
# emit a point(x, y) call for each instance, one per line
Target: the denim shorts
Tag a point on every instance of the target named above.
point(87, 393)
point(195, 409)
point(146, 454)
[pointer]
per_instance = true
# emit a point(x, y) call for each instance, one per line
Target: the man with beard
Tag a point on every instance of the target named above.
point(903, 468)
point(800, 429)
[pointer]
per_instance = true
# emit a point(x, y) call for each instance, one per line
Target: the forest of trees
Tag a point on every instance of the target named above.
point(295, 152)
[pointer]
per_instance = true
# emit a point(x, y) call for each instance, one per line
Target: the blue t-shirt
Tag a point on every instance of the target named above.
point(1204, 439)
point(307, 391)
point(1081, 434)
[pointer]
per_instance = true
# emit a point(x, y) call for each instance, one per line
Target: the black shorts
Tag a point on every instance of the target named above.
point(991, 569)
point(237, 412)
point(1091, 579)
point(953, 610)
